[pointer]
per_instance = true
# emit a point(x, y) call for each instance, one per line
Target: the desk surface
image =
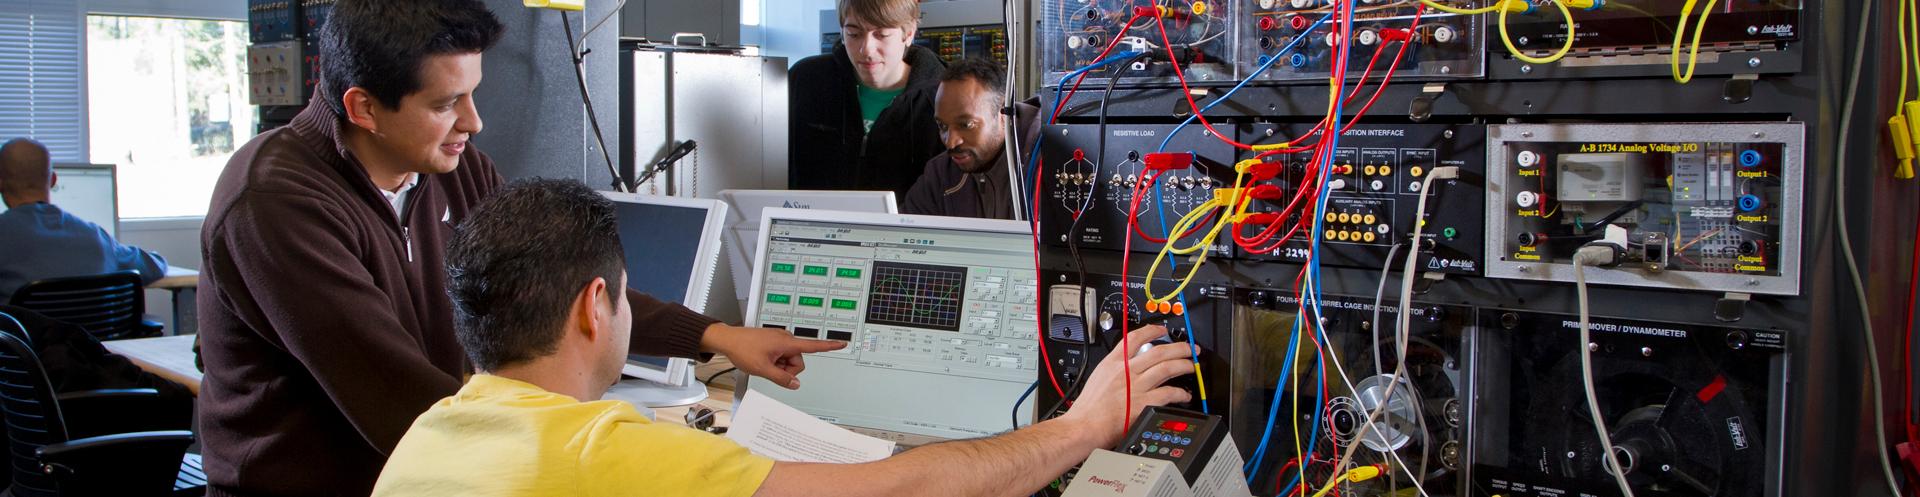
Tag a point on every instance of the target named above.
point(177, 278)
point(168, 357)
point(172, 358)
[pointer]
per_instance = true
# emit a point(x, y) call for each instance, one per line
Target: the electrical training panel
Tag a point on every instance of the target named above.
point(1373, 190)
point(283, 63)
point(1444, 45)
point(1196, 36)
point(1692, 410)
point(1255, 181)
point(1104, 184)
point(1699, 207)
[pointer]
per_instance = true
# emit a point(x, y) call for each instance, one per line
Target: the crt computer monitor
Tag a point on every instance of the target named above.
point(940, 315)
point(89, 192)
point(672, 245)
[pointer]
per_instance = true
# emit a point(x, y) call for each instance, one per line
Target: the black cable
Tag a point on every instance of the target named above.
point(1603, 222)
point(716, 376)
point(1023, 401)
point(580, 76)
point(1080, 266)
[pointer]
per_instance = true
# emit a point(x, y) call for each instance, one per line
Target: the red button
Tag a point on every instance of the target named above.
point(1177, 452)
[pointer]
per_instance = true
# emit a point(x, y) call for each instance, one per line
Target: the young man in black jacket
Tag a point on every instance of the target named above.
point(862, 117)
point(971, 179)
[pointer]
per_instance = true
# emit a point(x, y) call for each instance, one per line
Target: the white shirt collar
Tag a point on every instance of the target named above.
point(399, 198)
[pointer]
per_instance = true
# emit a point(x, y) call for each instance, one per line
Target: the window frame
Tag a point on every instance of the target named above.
point(201, 10)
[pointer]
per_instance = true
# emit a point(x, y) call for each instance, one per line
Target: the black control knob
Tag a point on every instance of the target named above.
point(1138, 449)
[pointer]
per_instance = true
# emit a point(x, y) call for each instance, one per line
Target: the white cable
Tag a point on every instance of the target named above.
point(1403, 323)
point(1379, 296)
point(1846, 249)
point(1581, 259)
point(1339, 369)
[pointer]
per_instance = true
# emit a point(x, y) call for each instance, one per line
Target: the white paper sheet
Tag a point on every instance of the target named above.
point(778, 431)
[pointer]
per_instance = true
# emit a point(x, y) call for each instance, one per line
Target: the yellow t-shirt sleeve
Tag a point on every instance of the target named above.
point(625, 456)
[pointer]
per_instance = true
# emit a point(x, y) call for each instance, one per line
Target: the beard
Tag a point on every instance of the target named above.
point(981, 162)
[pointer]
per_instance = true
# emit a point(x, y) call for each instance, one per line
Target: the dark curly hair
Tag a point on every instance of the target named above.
point(380, 45)
point(515, 266)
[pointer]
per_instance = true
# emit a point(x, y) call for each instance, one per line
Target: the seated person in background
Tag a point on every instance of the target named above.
point(971, 178)
point(45, 242)
point(536, 273)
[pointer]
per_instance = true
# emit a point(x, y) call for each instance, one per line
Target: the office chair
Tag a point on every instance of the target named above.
point(54, 456)
point(110, 306)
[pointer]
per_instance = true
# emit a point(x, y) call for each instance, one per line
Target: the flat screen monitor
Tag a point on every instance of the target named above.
point(88, 191)
point(672, 246)
point(940, 315)
point(743, 221)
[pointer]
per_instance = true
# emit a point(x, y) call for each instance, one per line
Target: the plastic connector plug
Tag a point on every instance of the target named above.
point(1256, 218)
point(1260, 171)
point(1157, 11)
point(1912, 127)
point(1445, 172)
point(1600, 254)
point(1168, 161)
point(1902, 146)
point(1584, 4)
point(573, 5)
point(1267, 193)
point(1364, 473)
point(1519, 6)
point(1226, 196)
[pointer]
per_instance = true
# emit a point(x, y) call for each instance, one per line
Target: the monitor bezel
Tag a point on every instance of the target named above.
point(113, 172)
point(767, 218)
point(700, 280)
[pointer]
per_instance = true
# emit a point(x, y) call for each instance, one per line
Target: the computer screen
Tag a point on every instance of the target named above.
point(743, 222)
point(672, 245)
point(940, 315)
point(87, 191)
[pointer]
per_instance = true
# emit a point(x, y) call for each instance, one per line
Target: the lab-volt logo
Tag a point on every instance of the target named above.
point(1738, 432)
point(795, 205)
point(1778, 30)
point(1118, 487)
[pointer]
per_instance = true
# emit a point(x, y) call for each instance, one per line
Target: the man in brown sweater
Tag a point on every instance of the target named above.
point(326, 327)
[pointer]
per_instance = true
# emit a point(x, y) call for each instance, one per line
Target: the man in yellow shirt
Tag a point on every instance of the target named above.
point(534, 273)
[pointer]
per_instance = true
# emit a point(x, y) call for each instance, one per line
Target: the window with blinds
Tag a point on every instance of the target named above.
point(40, 90)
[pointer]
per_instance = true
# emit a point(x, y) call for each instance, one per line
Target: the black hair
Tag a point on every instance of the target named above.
point(984, 71)
point(380, 45)
point(516, 264)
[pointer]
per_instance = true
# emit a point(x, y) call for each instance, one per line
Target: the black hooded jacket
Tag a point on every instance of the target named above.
point(830, 150)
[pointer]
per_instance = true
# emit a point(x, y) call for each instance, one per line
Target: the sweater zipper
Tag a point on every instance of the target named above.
point(406, 232)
